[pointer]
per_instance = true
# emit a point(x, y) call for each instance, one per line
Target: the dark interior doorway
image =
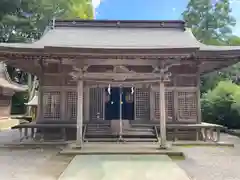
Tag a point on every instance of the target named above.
point(112, 103)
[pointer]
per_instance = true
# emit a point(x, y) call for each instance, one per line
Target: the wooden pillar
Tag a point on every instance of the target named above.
point(79, 141)
point(162, 111)
point(62, 94)
point(120, 117)
point(199, 113)
point(175, 100)
point(40, 92)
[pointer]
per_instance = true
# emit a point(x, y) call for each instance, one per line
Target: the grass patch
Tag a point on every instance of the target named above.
point(187, 145)
point(177, 158)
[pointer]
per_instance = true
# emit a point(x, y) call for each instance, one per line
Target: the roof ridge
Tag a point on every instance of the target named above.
point(177, 24)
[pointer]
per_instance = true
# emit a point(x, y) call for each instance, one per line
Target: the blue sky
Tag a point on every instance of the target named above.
point(150, 10)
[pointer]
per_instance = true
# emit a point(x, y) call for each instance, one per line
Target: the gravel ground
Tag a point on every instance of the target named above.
point(213, 163)
point(202, 163)
point(31, 164)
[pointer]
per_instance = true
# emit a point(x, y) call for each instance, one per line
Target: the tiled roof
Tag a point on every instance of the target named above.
point(103, 34)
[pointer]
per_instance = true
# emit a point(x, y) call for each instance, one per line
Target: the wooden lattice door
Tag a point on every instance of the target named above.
point(142, 104)
point(168, 105)
point(71, 108)
point(187, 106)
point(96, 98)
point(51, 105)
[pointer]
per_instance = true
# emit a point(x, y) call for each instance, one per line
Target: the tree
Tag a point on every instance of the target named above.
point(221, 105)
point(234, 41)
point(210, 23)
point(232, 73)
point(79, 9)
point(26, 20)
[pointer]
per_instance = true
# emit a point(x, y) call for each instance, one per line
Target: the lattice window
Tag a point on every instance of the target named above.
point(72, 105)
point(96, 103)
point(186, 80)
point(51, 104)
point(4, 102)
point(168, 105)
point(187, 106)
point(142, 97)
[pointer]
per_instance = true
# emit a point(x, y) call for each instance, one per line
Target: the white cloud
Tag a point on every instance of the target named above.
point(234, 1)
point(96, 3)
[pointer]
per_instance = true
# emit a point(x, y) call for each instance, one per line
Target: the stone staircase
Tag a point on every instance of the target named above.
point(99, 132)
point(102, 132)
point(139, 133)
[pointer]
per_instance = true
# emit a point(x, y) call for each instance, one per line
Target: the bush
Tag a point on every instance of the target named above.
point(18, 100)
point(222, 105)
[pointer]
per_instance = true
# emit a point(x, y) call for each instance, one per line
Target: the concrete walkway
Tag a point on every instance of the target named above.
point(119, 167)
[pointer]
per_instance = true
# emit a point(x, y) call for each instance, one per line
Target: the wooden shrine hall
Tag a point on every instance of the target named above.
point(120, 78)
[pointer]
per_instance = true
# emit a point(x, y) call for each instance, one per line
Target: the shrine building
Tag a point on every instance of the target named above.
point(114, 75)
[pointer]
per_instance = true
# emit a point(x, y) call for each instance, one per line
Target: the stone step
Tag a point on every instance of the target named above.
point(98, 133)
point(100, 136)
point(140, 139)
point(98, 125)
point(134, 130)
point(138, 132)
point(98, 129)
point(116, 139)
point(110, 139)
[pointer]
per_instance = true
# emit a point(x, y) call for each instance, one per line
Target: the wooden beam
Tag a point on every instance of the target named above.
point(119, 83)
point(120, 76)
point(119, 61)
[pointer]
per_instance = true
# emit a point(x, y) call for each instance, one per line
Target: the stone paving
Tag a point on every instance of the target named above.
point(127, 167)
point(202, 163)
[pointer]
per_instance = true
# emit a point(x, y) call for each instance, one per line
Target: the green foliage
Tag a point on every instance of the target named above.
point(26, 20)
point(210, 81)
point(210, 23)
point(18, 100)
point(78, 9)
point(234, 41)
point(221, 105)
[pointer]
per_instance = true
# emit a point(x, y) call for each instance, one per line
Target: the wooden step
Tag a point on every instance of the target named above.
point(140, 139)
point(98, 129)
point(113, 139)
point(116, 139)
point(96, 125)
